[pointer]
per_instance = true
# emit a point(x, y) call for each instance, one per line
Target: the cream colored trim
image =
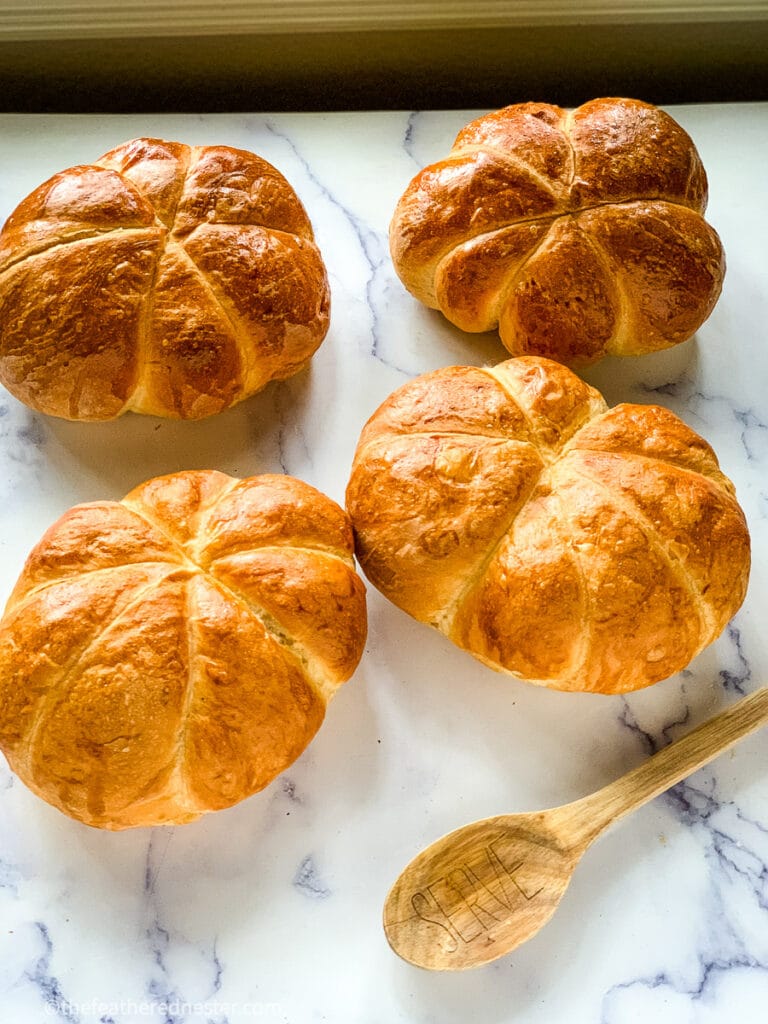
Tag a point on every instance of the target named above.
point(68, 19)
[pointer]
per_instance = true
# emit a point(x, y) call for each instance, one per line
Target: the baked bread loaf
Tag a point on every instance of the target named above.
point(170, 654)
point(578, 233)
point(163, 278)
point(569, 544)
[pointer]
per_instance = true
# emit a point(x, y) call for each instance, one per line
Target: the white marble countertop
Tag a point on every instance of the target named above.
point(271, 911)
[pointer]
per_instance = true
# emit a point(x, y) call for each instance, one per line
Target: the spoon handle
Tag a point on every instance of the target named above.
point(671, 764)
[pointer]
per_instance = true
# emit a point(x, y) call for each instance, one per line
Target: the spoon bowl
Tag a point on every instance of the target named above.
point(478, 892)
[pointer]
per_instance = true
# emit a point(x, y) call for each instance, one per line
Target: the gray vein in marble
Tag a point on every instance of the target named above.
point(159, 987)
point(691, 805)
point(47, 984)
point(288, 429)
point(672, 388)
point(373, 245)
point(731, 856)
point(730, 861)
point(23, 435)
point(683, 720)
point(752, 425)
point(651, 743)
point(709, 969)
point(289, 788)
point(154, 862)
point(10, 877)
point(281, 438)
point(734, 854)
point(33, 432)
point(162, 987)
point(218, 968)
point(753, 866)
point(308, 881)
point(690, 401)
point(408, 137)
point(734, 682)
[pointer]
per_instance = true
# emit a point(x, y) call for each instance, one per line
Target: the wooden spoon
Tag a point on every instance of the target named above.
point(483, 889)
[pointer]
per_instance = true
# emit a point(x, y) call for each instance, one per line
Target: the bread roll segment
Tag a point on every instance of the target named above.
point(170, 654)
point(165, 279)
point(558, 540)
point(577, 233)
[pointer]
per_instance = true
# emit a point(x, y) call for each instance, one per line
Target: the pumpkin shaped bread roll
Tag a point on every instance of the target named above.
point(165, 279)
point(569, 544)
point(171, 653)
point(577, 233)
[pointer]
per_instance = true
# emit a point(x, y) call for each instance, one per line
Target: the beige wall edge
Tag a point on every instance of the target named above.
point(69, 19)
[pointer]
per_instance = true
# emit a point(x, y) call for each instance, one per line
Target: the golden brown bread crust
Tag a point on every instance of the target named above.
point(163, 279)
point(577, 546)
point(578, 233)
point(170, 654)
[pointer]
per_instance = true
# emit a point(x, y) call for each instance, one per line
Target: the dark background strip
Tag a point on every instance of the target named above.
point(482, 68)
